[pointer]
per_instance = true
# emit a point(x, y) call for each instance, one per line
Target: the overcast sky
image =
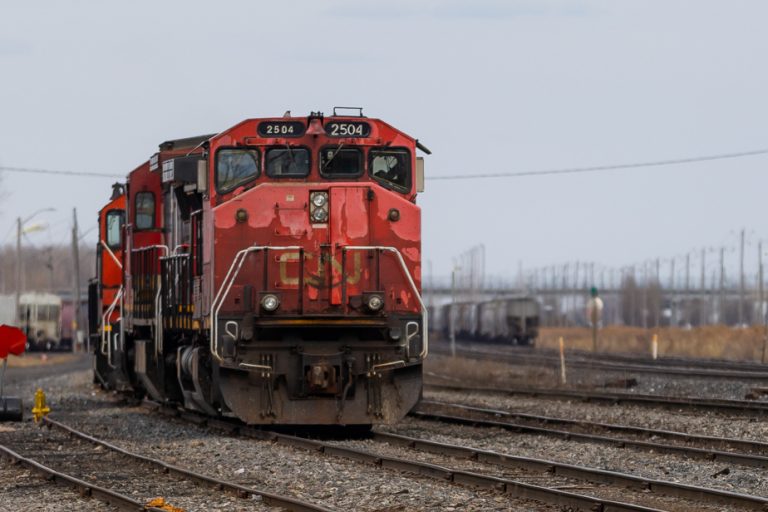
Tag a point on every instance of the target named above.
point(488, 86)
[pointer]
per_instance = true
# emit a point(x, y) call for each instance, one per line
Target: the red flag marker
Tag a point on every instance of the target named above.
point(12, 341)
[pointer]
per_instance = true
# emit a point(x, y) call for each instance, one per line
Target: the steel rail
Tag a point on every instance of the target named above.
point(758, 461)
point(666, 488)
point(466, 478)
point(730, 406)
point(86, 489)
point(633, 358)
point(240, 491)
point(648, 367)
point(744, 444)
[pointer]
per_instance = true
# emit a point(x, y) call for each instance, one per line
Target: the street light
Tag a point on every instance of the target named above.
point(19, 231)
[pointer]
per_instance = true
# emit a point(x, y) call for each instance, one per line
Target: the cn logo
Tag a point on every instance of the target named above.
point(316, 270)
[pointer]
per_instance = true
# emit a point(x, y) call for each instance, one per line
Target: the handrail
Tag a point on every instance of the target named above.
point(412, 283)
point(226, 285)
point(158, 312)
point(105, 341)
point(111, 254)
point(148, 247)
point(180, 246)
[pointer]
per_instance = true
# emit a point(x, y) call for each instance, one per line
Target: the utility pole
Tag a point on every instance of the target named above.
point(763, 316)
point(722, 286)
point(76, 284)
point(646, 279)
point(17, 300)
point(686, 309)
point(633, 296)
point(49, 266)
point(673, 317)
point(704, 307)
point(741, 281)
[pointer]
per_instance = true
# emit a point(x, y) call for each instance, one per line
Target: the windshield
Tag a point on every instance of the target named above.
point(391, 167)
point(287, 162)
point(235, 167)
point(338, 161)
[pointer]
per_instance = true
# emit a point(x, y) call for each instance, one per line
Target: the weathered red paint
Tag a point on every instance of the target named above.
point(355, 220)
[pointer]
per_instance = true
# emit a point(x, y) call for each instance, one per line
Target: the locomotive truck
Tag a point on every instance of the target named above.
point(270, 272)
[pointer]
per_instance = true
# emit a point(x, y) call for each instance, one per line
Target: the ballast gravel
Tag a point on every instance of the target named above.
point(27, 490)
point(335, 483)
point(676, 468)
point(341, 484)
point(707, 423)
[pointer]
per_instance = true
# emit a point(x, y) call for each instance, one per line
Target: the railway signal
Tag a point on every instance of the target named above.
point(594, 312)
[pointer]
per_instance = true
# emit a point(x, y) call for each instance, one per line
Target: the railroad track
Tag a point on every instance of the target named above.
point(681, 368)
point(721, 405)
point(526, 478)
point(109, 473)
point(720, 449)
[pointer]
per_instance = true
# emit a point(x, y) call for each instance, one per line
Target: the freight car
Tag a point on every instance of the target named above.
point(39, 318)
point(513, 320)
point(271, 272)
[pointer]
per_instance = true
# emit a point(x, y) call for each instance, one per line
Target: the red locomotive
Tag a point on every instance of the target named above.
point(271, 272)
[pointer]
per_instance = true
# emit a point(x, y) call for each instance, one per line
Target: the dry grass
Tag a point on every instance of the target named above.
point(461, 371)
point(715, 342)
point(38, 359)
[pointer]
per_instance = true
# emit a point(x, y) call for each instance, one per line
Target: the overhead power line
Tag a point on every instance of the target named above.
point(511, 174)
point(63, 173)
point(600, 168)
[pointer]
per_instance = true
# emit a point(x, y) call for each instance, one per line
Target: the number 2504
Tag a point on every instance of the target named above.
point(278, 129)
point(347, 129)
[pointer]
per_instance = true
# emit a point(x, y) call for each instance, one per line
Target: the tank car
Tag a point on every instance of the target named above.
point(513, 320)
point(270, 272)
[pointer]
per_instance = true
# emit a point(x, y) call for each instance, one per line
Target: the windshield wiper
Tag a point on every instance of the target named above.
point(325, 165)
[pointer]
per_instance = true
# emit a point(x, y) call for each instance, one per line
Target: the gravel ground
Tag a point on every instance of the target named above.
point(615, 493)
point(24, 489)
point(544, 376)
point(682, 420)
point(667, 467)
point(105, 468)
point(347, 485)
point(336, 483)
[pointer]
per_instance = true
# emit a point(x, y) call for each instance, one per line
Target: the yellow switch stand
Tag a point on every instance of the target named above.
point(40, 409)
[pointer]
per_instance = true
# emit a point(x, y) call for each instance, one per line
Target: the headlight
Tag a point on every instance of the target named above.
point(318, 206)
point(270, 302)
point(319, 199)
point(375, 302)
point(320, 215)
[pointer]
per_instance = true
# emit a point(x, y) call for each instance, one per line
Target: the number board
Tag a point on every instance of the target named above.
point(281, 129)
point(347, 129)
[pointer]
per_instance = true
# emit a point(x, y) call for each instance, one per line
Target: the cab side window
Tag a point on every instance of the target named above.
point(115, 220)
point(145, 210)
point(391, 167)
